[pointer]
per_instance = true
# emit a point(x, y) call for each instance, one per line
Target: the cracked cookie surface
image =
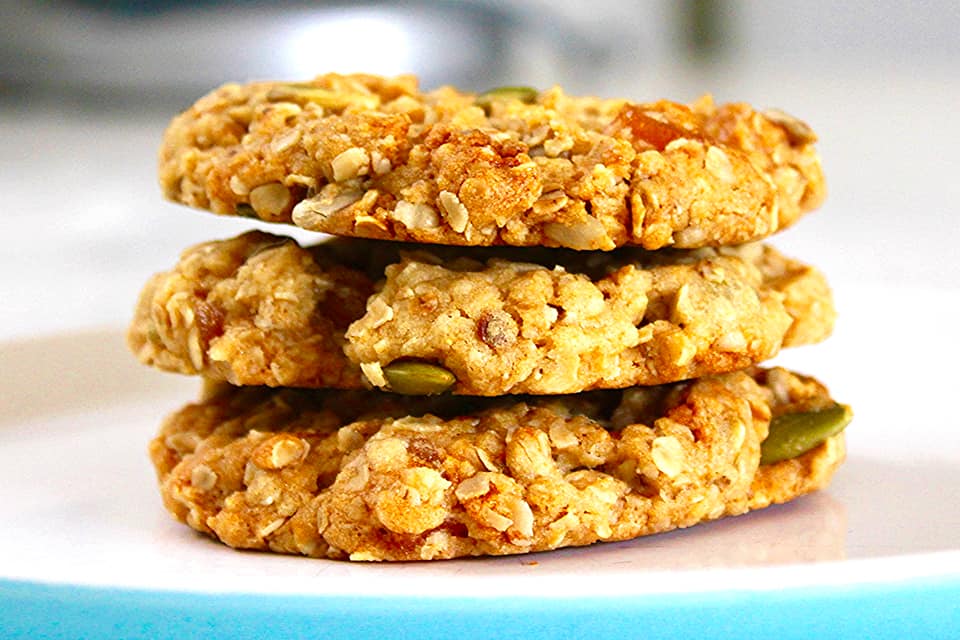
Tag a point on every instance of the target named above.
point(373, 476)
point(255, 309)
point(366, 156)
point(261, 310)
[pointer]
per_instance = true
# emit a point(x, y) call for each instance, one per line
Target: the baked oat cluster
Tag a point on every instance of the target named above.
point(539, 326)
point(377, 158)
point(260, 310)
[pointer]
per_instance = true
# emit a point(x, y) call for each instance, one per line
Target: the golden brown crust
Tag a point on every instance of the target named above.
point(372, 477)
point(375, 157)
point(258, 309)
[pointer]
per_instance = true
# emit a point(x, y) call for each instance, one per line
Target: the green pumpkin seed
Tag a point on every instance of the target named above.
point(245, 210)
point(414, 378)
point(527, 95)
point(793, 434)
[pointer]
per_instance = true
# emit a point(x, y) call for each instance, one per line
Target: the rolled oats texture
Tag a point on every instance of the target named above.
point(370, 476)
point(260, 309)
point(368, 156)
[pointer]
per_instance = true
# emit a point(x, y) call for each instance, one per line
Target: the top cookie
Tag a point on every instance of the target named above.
point(373, 157)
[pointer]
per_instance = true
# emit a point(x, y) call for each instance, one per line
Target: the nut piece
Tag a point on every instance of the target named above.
point(414, 504)
point(587, 233)
point(522, 516)
point(380, 163)
point(718, 164)
point(473, 487)
point(237, 186)
point(379, 313)
point(282, 143)
point(270, 200)
point(411, 377)
point(529, 455)
point(311, 213)
point(203, 477)
point(453, 211)
point(270, 527)
point(351, 163)
point(373, 372)
point(732, 341)
point(550, 202)
point(793, 434)
point(668, 455)
point(280, 451)
point(416, 216)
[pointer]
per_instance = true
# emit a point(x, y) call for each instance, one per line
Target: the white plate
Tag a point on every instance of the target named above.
point(88, 550)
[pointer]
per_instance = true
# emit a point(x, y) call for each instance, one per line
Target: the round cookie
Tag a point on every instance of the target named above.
point(370, 476)
point(260, 310)
point(366, 156)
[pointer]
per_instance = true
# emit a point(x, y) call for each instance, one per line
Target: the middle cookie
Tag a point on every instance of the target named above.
point(261, 310)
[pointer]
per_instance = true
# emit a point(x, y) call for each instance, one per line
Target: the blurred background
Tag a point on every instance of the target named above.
point(86, 89)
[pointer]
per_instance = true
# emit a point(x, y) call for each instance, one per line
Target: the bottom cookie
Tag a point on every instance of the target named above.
point(371, 476)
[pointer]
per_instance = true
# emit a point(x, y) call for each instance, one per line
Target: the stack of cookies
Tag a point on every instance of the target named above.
point(538, 326)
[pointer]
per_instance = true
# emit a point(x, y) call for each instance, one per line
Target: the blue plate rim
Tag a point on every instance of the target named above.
point(927, 607)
